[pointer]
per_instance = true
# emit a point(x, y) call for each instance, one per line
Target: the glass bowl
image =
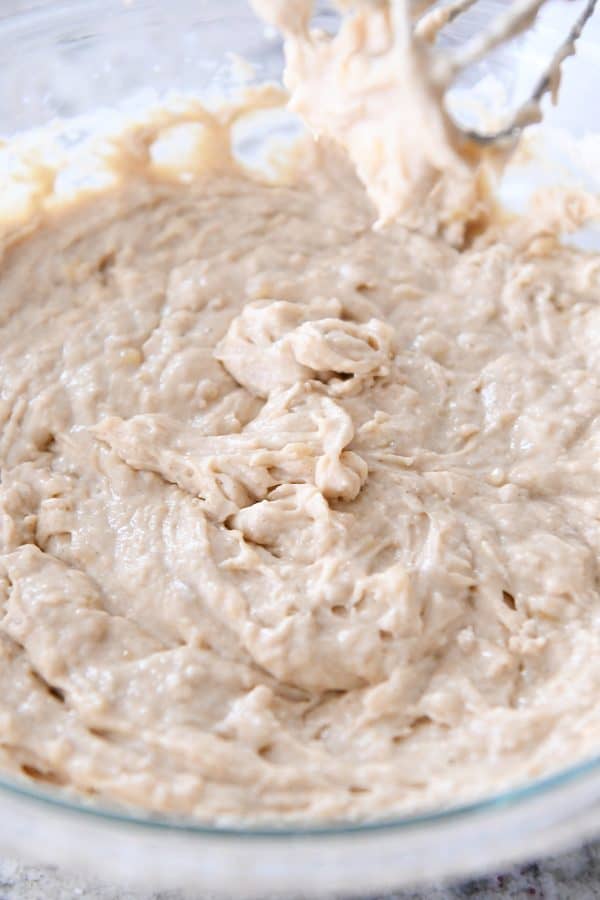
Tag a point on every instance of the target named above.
point(64, 60)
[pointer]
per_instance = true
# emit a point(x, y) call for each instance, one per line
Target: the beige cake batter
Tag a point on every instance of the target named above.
point(300, 518)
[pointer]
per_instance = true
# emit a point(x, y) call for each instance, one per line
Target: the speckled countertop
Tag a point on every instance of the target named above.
point(572, 876)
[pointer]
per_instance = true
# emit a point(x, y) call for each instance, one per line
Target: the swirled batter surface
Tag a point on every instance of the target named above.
point(300, 519)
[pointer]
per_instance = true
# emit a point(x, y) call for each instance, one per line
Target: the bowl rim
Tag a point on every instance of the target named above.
point(507, 800)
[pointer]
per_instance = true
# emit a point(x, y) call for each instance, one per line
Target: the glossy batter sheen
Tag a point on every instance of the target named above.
point(300, 519)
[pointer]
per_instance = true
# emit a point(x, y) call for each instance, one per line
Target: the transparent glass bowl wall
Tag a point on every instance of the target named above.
point(66, 60)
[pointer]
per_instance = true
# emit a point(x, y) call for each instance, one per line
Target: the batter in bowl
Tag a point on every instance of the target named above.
point(300, 517)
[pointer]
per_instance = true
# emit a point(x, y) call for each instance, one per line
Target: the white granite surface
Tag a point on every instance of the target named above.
point(573, 876)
